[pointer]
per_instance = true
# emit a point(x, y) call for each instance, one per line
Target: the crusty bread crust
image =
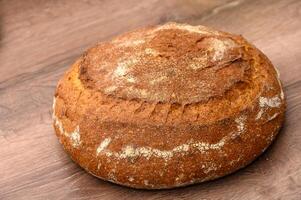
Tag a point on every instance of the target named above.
point(168, 106)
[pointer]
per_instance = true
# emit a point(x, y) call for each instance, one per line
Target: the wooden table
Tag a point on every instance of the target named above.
point(41, 38)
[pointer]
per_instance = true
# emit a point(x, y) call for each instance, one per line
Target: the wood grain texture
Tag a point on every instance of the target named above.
point(40, 39)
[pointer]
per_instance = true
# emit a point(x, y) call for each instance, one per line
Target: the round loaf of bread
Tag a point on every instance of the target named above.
point(168, 106)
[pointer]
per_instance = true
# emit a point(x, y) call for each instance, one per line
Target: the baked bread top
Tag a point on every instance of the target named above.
point(181, 65)
point(167, 98)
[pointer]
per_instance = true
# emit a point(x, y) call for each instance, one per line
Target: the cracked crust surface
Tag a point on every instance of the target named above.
point(168, 106)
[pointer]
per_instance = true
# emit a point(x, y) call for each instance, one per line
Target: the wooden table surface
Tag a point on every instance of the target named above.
point(39, 39)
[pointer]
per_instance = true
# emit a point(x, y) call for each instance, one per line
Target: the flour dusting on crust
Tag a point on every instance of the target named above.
point(186, 27)
point(131, 152)
point(103, 145)
point(128, 43)
point(266, 102)
point(73, 136)
point(273, 102)
point(240, 121)
point(221, 47)
point(150, 51)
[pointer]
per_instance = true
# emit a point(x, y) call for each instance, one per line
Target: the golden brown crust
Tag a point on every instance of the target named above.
point(168, 106)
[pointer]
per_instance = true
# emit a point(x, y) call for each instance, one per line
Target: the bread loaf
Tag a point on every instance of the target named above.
point(168, 106)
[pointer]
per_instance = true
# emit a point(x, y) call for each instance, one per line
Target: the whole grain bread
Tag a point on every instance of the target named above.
point(168, 106)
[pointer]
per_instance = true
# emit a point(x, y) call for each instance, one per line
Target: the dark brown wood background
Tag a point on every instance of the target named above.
point(39, 39)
